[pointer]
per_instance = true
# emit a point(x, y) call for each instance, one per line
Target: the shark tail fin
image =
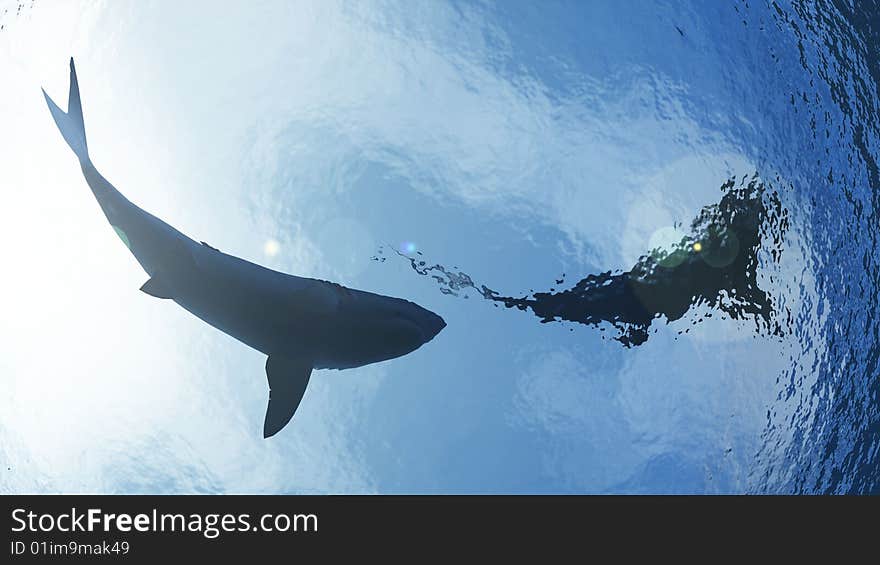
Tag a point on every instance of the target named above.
point(71, 122)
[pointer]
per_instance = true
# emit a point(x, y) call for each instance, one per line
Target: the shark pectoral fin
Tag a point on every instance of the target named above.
point(288, 378)
point(155, 287)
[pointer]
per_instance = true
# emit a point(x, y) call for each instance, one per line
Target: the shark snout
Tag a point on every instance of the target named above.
point(423, 325)
point(434, 324)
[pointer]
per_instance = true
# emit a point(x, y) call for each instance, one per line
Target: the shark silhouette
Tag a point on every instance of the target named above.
point(300, 323)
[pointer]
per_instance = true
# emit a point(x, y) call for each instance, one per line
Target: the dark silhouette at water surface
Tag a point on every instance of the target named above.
point(714, 265)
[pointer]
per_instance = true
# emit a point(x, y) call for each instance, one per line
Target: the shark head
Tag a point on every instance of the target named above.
point(427, 323)
point(402, 327)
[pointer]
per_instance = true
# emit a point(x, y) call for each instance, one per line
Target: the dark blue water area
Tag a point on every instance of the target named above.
point(796, 88)
point(793, 88)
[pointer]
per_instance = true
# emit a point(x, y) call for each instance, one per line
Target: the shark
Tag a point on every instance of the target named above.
point(300, 324)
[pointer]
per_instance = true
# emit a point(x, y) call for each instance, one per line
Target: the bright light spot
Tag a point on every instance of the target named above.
point(271, 247)
point(698, 247)
point(408, 247)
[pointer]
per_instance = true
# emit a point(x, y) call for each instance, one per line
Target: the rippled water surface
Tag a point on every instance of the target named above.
point(650, 227)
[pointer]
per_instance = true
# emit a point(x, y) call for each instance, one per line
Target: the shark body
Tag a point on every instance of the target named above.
point(300, 323)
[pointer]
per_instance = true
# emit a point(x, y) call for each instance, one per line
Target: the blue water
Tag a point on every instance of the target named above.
point(516, 148)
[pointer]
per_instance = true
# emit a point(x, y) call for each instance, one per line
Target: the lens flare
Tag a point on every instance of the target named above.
point(667, 246)
point(408, 247)
point(271, 247)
